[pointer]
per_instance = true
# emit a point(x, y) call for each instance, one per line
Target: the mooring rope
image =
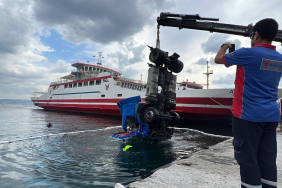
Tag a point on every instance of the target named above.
point(207, 134)
point(220, 103)
point(47, 135)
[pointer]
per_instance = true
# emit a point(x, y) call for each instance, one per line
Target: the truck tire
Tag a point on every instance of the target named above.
point(176, 119)
point(150, 115)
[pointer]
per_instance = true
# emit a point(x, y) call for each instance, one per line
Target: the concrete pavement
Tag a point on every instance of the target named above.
point(214, 167)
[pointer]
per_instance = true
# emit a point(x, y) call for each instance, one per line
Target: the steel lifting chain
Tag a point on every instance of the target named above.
point(158, 37)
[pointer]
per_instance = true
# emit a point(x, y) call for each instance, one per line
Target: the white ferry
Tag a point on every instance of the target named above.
point(97, 89)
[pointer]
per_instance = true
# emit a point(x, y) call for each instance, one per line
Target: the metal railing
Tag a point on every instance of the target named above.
point(133, 80)
point(92, 63)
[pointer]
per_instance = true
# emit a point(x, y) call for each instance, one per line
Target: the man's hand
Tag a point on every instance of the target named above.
point(218, 58)
point(228, 44)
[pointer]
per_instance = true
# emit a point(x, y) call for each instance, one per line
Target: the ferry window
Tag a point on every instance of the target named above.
point(122, 84)
point(94, 69)
point(90, 68)
point(119, 95)
point(102, 95)
point(75, 85)
point(125, 84)
point(70, 86)
point(130, 85)
point(98, 69)
point(66, 86)
point(91, 83)
point(105, 80)
point(57, 87)
point(85, 84)
point(53, 87)
point(80, 84)
point(98, 82)
point(105, 70)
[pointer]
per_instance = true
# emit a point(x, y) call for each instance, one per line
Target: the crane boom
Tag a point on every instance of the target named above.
point(199, 23)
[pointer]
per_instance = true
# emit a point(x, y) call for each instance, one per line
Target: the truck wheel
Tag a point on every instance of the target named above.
point(176, 119)
point(150, 115)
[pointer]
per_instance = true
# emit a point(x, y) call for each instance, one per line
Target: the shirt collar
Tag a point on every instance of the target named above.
point(266, 46)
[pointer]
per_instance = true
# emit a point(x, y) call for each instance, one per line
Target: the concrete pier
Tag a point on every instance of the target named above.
point(213, 167)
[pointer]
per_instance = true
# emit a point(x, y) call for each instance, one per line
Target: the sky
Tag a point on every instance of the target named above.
point(40, 39)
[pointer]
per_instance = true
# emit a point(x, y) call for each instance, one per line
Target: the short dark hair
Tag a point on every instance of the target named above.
point(267, 28)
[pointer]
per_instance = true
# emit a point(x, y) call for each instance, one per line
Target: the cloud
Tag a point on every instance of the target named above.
point(212, 61)
point(131, 73)
point(61, 67)
point(202, 61)
point(129, 53)
point(214, 42)
point(18, 31)
point(14, 26)
point(227, 79)
point(18, 91)
point(22, 64)
point(98, 21)
point(189, 70)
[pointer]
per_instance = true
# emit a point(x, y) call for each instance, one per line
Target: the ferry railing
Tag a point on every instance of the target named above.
point(133, 80)
point(37, 94)
point(60, 82)
point(91, 63)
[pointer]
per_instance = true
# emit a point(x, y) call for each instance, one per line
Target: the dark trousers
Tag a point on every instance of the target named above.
point(255, 149)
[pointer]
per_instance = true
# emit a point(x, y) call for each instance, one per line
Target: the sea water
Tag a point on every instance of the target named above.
point(84, 159)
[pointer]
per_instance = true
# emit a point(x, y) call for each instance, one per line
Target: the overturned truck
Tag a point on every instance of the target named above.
point(153, 118)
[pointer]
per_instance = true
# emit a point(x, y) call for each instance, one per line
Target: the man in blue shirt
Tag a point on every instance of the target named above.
point(255, 111)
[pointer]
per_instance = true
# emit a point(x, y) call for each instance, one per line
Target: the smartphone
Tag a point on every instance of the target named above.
point(232, 48)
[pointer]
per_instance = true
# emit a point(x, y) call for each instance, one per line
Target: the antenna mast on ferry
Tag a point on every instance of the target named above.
point(100, 59)
point(208, 73)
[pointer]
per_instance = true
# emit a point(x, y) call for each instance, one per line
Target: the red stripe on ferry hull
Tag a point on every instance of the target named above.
point(204, 101)
point(184, 112)
point(81, 100)
point(99, 109)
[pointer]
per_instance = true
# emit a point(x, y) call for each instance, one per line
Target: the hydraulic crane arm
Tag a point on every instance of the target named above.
point(196, 22)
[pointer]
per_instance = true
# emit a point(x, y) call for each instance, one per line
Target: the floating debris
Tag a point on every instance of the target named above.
point(127, 147)
point(49, 125)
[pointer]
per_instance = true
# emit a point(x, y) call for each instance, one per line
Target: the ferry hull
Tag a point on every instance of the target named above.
point(188, 108)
